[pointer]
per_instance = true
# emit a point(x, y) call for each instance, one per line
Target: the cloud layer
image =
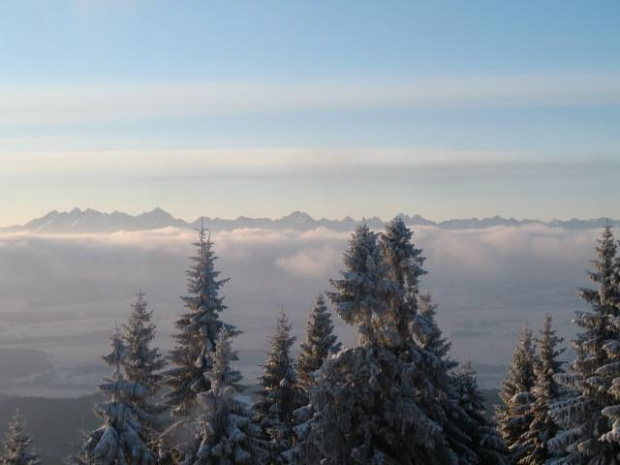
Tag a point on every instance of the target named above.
point(43, 105)
point(379, 164)
point(55, 289)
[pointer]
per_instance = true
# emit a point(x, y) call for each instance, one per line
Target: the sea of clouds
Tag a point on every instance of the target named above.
point(62, 295)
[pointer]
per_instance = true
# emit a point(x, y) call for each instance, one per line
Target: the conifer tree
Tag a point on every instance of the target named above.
point(143, 363)
point(17, 444)
point(192, 356)
point(514, 414)
point(487, 444)
point(436, 364)
point(319, 344)
point(430, 338)
point(366, 399)
point(121, 440)
point(365, 413)
point(227, 434)
point(419, 340)
point(590, 416)
point(404, 268)
point(546, 391)
point(279, 395)
point(362, 295)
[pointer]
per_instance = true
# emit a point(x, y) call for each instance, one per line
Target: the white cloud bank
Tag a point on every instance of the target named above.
point(315, 253)
point(56, 288)
point(312, 262)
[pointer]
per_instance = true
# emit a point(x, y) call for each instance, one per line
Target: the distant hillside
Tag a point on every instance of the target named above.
point(54, 423)
point(93, 221)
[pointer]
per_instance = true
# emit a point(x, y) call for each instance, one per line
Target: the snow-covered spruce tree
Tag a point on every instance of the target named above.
point(590, 416)
point(430, 338)
point(418, 339)
point(143, 363)
point(488, 445)
point(121, 440)
point(280, 394)
point(192, 355)
point(514, 414)
point(366, 402)
point(362, 296)
point(319, 344)
point(546, 391)
point(435, 363)
point(404, 268)
point(227, 434)
point(17, 444)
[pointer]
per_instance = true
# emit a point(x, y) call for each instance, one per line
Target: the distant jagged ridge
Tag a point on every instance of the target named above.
point(93, 221)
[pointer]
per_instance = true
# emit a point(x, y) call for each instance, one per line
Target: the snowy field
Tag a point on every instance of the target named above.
point(61, 295)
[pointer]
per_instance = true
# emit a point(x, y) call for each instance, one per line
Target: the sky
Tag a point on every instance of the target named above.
point(362, 108)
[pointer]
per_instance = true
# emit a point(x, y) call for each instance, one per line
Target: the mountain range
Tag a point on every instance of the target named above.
point(93, 221)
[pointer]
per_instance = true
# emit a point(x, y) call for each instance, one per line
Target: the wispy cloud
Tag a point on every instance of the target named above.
point(44, 105)
point(381, 164)
point(219, 161)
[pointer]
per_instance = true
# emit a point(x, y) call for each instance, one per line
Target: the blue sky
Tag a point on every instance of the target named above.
point(447, 109)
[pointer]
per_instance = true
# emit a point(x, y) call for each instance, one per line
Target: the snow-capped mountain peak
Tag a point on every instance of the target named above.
point(93, 221)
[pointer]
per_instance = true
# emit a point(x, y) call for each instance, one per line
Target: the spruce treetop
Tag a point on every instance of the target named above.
point(590, 415)
point(226, 433)
point(198, 329)
point(17, 444)
point(466, 388)
point(280, 394)
point(546, 391)
point(404, 264)
point(142, 362)
point(320, 342)
point(404, 258)
point(122, 439)
point(605, 273)
point(514, 415)
point(279, 374)
point(547, 363)
point(521, 377)
point(361, 297)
